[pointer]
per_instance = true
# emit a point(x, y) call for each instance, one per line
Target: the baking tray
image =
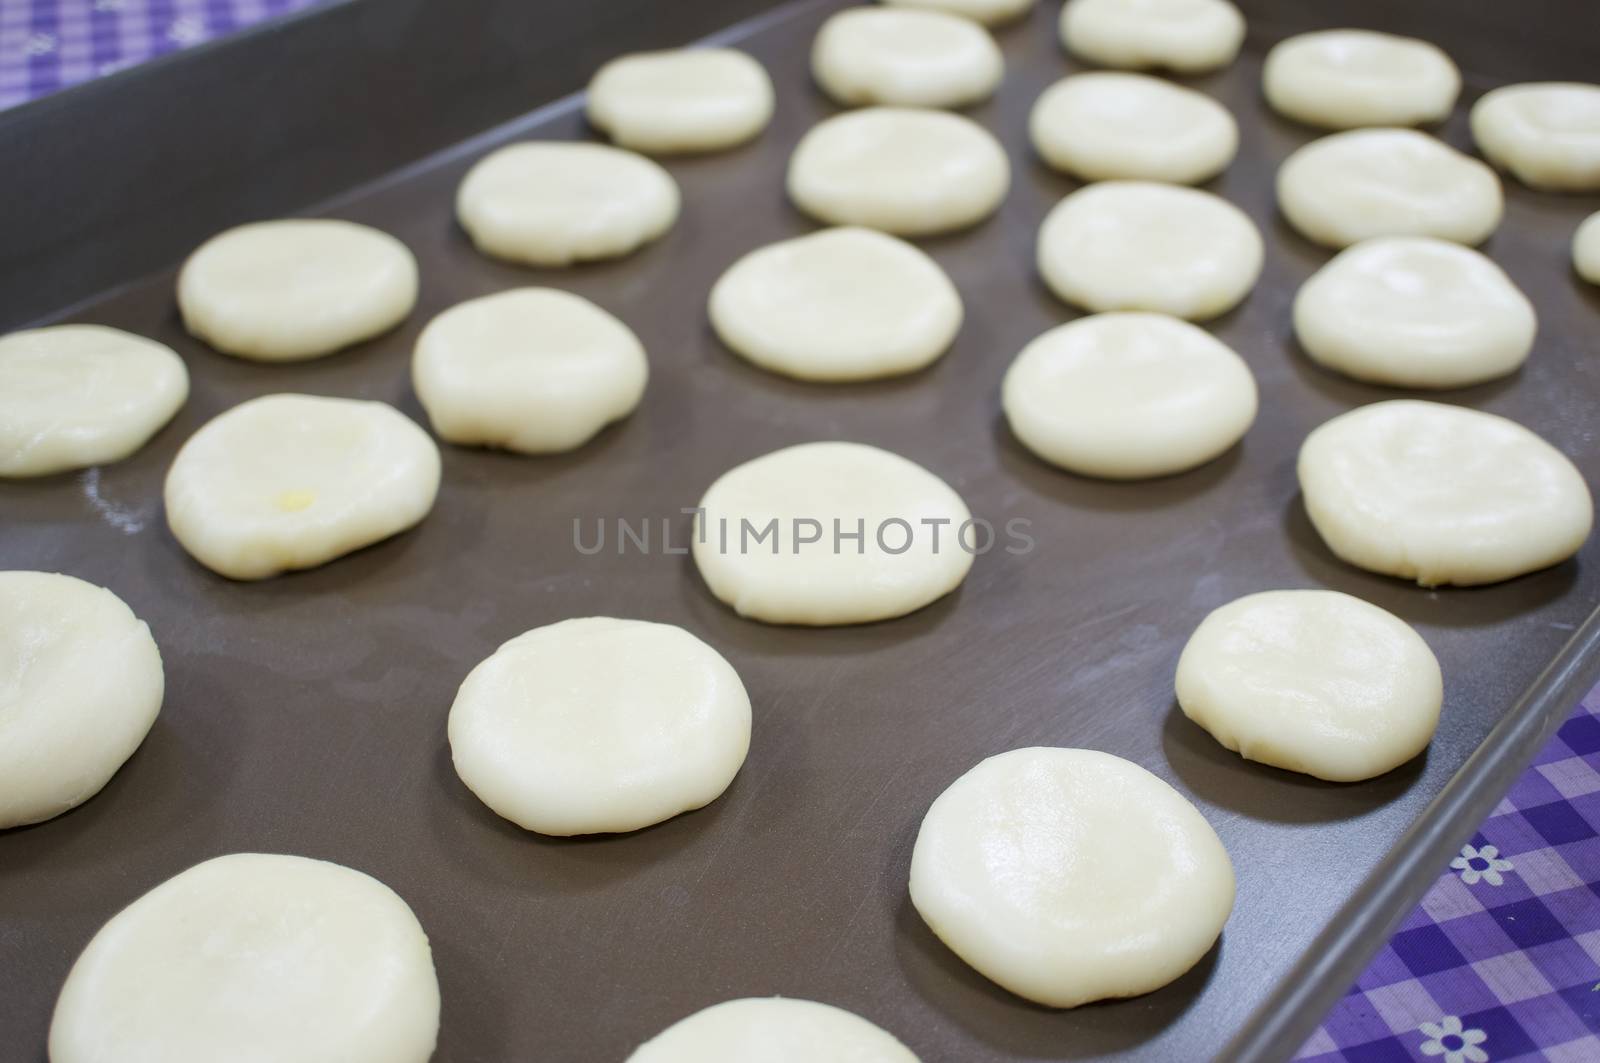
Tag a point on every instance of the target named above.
point(306, 714)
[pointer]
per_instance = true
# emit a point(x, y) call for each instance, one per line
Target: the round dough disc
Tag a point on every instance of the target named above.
point(553, 204)
point(900, 169)
point(283, 291)
point(772, 1030)
point(1586, 249)
point(905, 57)
point(1134, 245)
point(599, 726)
point(534, 370)
point(1312, 681)
point(1111, 126)
point(1342, 79)
point(684, 100)
point(1070, 875)
point(987, 12)
point(1128, 396)
point(1442, 494)
point(82, 685)
point(72, 396)
point(254, 957)
point(286, 482)
point(1412, 311)
point(1354, 186)
point(841, 304)
point(772, 539)
point(1546, 133)
point(1186, 36)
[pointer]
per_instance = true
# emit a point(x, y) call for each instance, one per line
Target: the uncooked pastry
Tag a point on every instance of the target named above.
point(1342, 79)
point(904, 56)
point(1442, 494)
point(1586, 249)
point(1070, 875)
point(1111, 126)
point(683, 100)
point(1186, 36)
point(1546, 133)
point(987, 12)
point(772, 1030)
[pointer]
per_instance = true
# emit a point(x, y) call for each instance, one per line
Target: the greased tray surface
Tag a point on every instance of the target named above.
point(306, 714)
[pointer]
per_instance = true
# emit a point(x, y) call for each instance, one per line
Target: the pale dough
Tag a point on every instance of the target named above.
point(287, 482)
point(1586, 249)
point(1413, 311)
point(1070, 875)
point(1312, 681)
point(1136, 245)
point(903, 56)
point(904, 170)
point(534, 370)
point(80, 685)
point(72, 396)
point(841, 304)
point(554, 204)
point(772, 1030)
point(913, 544)
point(1186, 36)
point(598, 725)
point(684, 100)
point(1111, 126)
point(987, 12)
point(281, 291)
point(1342, 79)
point(1364, 183)
point(1128, 396)
point(1442, 494)
point(254, 958)
point(1546, 133)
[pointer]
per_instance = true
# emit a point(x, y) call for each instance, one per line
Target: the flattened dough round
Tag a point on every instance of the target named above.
point(916, 543)
point(841, 304)
point(1136, 245)
point(1128, 396)
point(298, 288)
point(286, 482)
point(772, 1030)
point(553, 204)
point(1342, 79)
point(1586, 249)
point(905, 57)
point(1442, 494)
point(682, 100)
point(72, 396)
point(1186, 36)
point(80, 685)
point(1070, 875)
point(904, 170)
point(598, 725)
point(1111, 126)
point(534, 370)
point(1312, 681)
point(1354, 186)
point(987, 12)
point(257, 958)
point(1412, 311)
point(1546, 133)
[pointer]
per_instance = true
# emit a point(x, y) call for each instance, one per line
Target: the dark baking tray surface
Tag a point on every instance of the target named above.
point(306, 714)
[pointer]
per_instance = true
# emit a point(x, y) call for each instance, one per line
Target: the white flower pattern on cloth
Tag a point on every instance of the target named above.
point(1485, 864)
point(1447, 1038)
point(40, 44)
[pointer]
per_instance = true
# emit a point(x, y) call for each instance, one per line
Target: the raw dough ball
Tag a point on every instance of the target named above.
point(286, 482)
point(1312, 681)
point(688, 99)
point(1187, 36)
point(254, 958)
point(1546, 133)
point(900, 169)
point(553, 204)
point(599, 726)
point(841, 304)
point(772, 1030)
point(777, 536)
point(1442, 494)
point(1128, 396)
point(1133, 245)
point(1110, 126)
point(1070, 875)
point(80, 684)
point(913, 58)
point(988, 12)
point(1586, 249)
point(1387, 182)
point(1341, 79)
point(533, 370)
point(72, 396)
point(283, 291)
